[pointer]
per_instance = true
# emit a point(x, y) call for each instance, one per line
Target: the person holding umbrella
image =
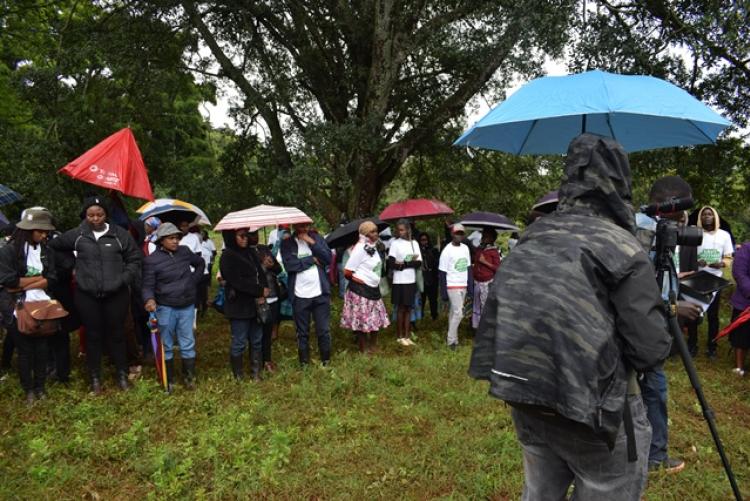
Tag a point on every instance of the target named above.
point(404, 258)
point(27, 271)
point(170, 275)
point(364, 311)
point(108, 264)
point(486, 262)
point(246, 290)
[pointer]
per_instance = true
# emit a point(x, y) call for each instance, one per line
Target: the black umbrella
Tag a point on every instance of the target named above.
point(488, 220)
point(347, 235)
point(546, 204)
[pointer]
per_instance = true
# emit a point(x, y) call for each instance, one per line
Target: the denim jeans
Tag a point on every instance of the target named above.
point(176, 324)
point(654, 392)
point(320, 309)
point(244, 330)
point(557, 454)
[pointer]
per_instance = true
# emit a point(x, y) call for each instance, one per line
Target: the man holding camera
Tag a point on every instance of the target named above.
point(573, 314)
point(653, 383)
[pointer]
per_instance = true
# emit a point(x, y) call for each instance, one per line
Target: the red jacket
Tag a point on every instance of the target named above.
point(482, 272)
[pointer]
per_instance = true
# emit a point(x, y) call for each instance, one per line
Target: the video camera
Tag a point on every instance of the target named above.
point(669, 234)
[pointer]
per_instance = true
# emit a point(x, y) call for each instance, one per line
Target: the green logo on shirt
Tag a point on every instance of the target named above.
point(710, 255)
point(462, 264)
point(378, 268)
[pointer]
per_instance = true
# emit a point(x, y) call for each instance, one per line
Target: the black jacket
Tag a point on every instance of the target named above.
point(244, 276)
point(105, 266)
point(13, 267)
point(574, 309)
point(167, 278)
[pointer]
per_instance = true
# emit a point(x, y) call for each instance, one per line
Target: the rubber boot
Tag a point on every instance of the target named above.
point(236, 363)
point(188, 373)
point(256, 361)
point(122, 380)
point(169, 366)
point(304, 357)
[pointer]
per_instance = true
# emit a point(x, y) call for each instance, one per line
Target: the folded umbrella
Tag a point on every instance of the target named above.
point(262, 215)
point(347, 235)
point(488, 220)
point(177, 209)
point(639, 112)
point(414, 208)
point(8, 196)
point(161, 369)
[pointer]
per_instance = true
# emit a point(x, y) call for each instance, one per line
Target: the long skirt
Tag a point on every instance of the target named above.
point(362, 314)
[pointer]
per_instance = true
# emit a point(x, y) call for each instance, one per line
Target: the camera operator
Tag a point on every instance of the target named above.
point(654, 382)
point(573, 313)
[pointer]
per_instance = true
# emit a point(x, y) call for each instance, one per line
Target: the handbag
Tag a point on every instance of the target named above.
point(39, 318)
point(263, 311)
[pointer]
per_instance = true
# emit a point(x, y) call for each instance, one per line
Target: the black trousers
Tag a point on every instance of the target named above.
point(712, 315)
point(60, 351)
point(32, 360)
point(9, 346)
point(104, 319)
point(430, 294)
point(201, 298)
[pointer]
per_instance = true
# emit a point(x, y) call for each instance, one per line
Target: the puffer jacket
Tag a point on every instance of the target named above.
point(575, 309)
point(167, 278)
point(102, 266)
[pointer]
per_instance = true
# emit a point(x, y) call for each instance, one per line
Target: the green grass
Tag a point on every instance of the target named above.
point(408, 423)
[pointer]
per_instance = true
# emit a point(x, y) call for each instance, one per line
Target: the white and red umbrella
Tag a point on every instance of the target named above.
point(262, 215)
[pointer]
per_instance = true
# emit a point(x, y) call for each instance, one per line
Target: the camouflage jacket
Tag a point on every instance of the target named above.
point(575, 309)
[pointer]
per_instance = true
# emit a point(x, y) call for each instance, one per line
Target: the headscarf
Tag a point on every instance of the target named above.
point(154, 223)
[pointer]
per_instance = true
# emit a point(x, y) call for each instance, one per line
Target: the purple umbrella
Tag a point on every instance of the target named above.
point(488, 220)
point(546, 204)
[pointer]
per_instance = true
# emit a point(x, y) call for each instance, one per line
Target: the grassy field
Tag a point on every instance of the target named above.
point(406, 424)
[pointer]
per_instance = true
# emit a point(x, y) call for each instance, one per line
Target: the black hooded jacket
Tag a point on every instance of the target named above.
point(245, 278)
point(574, 309)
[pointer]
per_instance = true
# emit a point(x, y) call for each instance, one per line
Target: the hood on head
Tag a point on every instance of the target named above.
point(597, 180)
point(717, 221)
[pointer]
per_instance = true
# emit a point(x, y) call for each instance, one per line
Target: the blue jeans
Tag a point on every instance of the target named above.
point(244, 330)
point(654, 393)
point(320, 309)
point(176, 324)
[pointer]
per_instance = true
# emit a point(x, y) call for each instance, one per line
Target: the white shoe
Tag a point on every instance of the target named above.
point(402, 341)
point(739, 372)
point(409, 342)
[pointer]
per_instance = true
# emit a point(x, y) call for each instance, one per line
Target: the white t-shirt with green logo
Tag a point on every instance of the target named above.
point(307, 283)
point(716, 246)
point(365, 267)
point(405, 251)
point(455, 261)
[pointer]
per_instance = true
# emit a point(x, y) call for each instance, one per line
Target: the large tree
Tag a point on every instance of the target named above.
point(347, 91)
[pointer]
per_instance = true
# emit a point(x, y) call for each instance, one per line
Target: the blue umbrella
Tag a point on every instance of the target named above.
point(8, 196)
point(640, 112)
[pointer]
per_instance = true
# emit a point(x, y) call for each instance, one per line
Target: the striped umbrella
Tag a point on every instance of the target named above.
point(8, 196)
point(162, 206)
point(262, 215)
point(161, 370)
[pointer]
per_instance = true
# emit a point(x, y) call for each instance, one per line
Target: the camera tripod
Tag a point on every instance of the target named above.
point(667, 278)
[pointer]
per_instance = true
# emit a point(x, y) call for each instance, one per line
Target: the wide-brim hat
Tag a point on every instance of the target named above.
point(167, 229)
point(36, 219)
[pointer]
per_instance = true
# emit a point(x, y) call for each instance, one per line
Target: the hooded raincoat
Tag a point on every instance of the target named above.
point(575, 309)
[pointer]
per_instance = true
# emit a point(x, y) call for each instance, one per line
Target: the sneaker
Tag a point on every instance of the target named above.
point(402, 341)
point(409, 342)
point(739, 372)
point(669, 465)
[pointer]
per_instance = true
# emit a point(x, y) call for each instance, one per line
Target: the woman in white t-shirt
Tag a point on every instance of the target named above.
point(404, 258)
point(364, 311)
point(26, 270)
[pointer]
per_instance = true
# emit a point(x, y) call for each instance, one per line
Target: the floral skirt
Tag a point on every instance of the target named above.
point(362, 314)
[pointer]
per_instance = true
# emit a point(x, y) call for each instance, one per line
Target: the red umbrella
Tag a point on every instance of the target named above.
point(741, 319)
point(116, 164)
point(418, 207)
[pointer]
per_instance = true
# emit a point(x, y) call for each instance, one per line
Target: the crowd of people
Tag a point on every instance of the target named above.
point(570, 281)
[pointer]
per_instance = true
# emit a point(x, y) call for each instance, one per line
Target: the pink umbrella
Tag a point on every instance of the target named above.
point(262, 215)
point(418, 207)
